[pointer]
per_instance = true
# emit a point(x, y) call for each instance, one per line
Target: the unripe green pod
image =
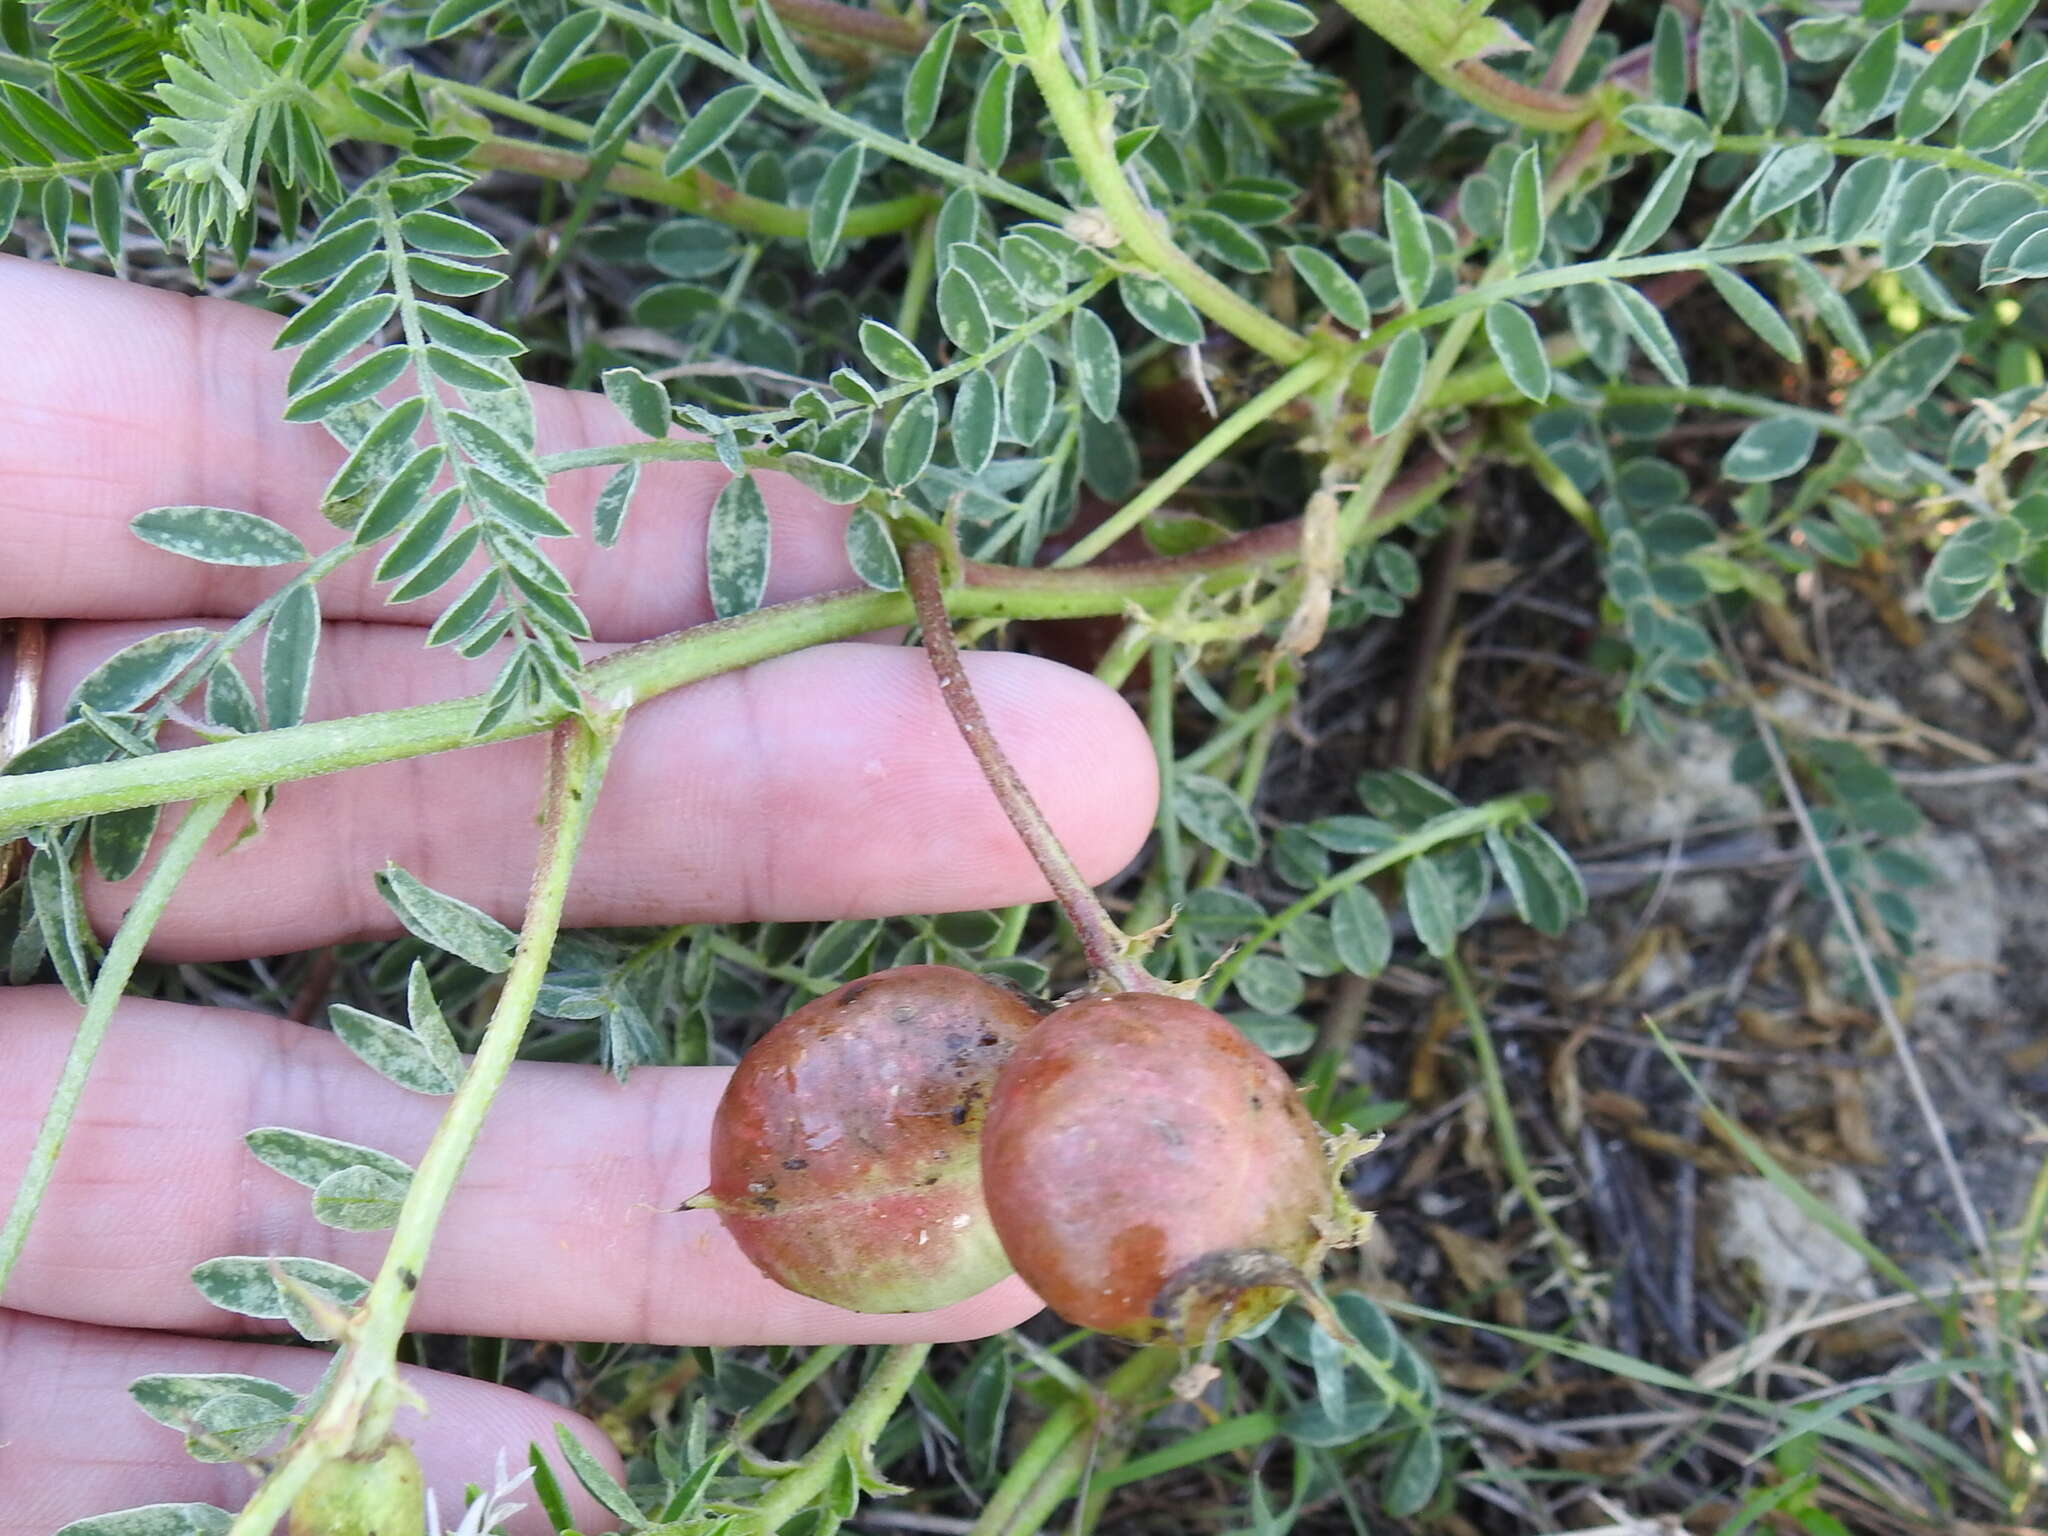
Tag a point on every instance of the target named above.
point(380, 1493)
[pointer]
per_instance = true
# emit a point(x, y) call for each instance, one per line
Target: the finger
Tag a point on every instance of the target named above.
point(73, 1443)
point(117, 398)
point(564, 1225)
point(829, 783)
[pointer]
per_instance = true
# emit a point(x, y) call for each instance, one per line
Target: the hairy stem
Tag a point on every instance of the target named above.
point(828, 18)
point(1101, 940)
point(1434, 833)
point(1502, 1113)
point(1298, 380)
point(624, 678)
point(359, 1394)
point(1434, 35)
point(1043, 1473)
point(1890, 149)
point(810, 108)
point(107, 989)
point(853, 1434)
point(1085, 124)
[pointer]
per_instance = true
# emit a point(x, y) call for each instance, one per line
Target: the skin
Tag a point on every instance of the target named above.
point(1138, 1142)
point(779, 792)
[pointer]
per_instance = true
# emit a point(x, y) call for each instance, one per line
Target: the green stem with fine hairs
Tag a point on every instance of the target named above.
point(623, 679)
point(355, 1411)
point(1085, 123)
point(107, 988)
point(1044, 1473)
point(852, 1435)
point(813, 110)
point(1451, 827)
point(1297, 381)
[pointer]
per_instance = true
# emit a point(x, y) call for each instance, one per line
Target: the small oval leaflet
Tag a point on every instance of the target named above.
point(893, 353)
point(736, 548)
point(308, 1159)
point(1519, 345)
point(1360, 931)
point(1027, 396)
point(1522, 230)
point(1431, 905)
point(289, 646)
point(358, 1199)
point(1414, 259)
point(1161, 310)
point(1903, 377)
point(155, 1520)
point(245, 1284)
point(445, 922)
point(136, 673)
point(1396, 390)
point(397, 1053)
point(907, 445)
point(710, 128)
point(963, 313)
point(1339, 293)
point(872, 553)
point(1212, 811)
point(1097, 368)
point(977, 418)
point(1770, 449)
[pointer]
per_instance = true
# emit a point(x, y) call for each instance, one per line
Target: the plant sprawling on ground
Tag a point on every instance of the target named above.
point(1232, 348)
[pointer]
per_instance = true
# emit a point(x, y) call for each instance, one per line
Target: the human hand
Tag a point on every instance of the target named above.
point(780, 792)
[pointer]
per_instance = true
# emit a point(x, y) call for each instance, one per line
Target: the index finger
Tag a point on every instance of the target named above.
point(117, 398)
point(564, 1224)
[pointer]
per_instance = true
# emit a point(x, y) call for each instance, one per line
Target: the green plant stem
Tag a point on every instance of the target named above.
point(1172, 859)
point(1258, 747)
point(1553, 479)
point(829, 19)
point(762, 458)
point(638, 172)
point(1543, 280)
point(1354, 523)
point(1086, 125)
point(1296, 381)
point(1713, 398)
point(993, 187)
point(1041, 1477)
point(853, 1434)
point(727, 948)
point(1890, 149)
point(1434, 833)
point(1270, 702)
point(358, 1397)
point(1102, 941)
point(622, 679)
point(1430, 33)
point(917, 280)
point(107, 988)
point(1494, 1086)
point(787, 1390)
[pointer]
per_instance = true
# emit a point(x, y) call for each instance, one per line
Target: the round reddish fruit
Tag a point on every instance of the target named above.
point(1151, 1172)
point(845, 1155)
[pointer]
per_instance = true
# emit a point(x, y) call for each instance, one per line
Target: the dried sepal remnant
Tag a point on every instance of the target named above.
point(845, 1154)
point(1152, 1173)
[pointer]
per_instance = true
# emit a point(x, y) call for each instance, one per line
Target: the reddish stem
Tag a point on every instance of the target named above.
point(18, 710)
point(1101, 940)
